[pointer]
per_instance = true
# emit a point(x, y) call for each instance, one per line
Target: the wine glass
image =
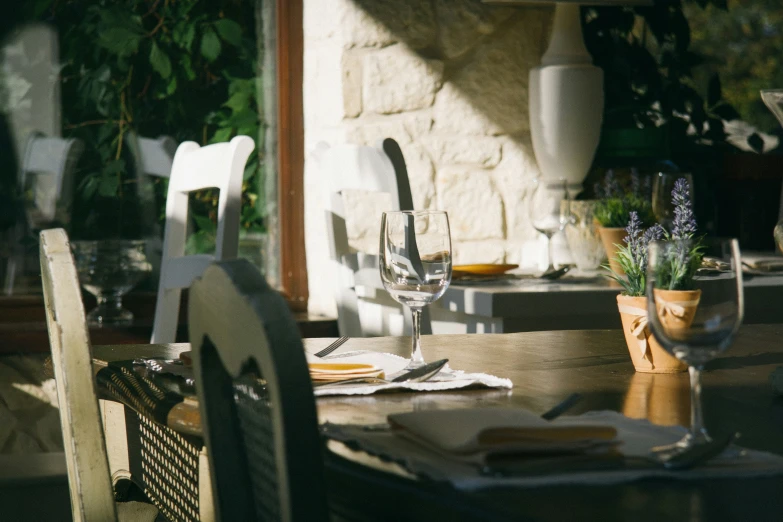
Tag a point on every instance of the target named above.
point(693, 325)
point(415, 263)
point(663, 184)
point(548, 214)
point(109, 269)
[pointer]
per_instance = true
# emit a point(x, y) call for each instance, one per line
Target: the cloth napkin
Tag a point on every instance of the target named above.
point(446, 379)
point(329, 372)
point(636, 437)
point(482, 435)
point(766, 263)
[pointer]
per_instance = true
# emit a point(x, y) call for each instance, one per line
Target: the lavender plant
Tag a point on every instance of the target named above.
point(632, 256)
point(616, 204)
point(683, 257)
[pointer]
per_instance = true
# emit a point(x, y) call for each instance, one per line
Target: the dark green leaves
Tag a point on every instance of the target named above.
point(119, 40)
point(160, 61)
point(229, 30)
point(210, 45)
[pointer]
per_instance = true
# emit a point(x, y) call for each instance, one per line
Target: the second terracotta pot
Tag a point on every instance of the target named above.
point(611, 237)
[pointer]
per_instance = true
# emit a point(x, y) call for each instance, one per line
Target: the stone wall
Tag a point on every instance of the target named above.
point(448, 80)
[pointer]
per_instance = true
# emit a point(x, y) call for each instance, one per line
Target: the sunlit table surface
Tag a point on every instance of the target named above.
point(545, 367)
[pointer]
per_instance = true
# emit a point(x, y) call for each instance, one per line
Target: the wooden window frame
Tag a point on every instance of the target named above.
point(290, 70)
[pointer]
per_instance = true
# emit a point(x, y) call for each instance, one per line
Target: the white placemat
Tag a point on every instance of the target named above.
point(637, 437)
point(446, 379)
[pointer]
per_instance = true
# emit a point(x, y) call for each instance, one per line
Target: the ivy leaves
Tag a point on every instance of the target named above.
point(160, 61)
point(229, 31)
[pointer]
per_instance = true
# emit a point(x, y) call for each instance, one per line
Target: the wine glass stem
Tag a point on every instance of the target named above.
point(550, 256)
point(698, 433)
point(416, 357)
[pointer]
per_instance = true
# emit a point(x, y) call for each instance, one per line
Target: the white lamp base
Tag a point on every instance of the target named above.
point(566, 103)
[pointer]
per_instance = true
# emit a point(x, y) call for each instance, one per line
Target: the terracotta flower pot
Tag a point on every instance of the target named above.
point(611, 237)
point(647, 355)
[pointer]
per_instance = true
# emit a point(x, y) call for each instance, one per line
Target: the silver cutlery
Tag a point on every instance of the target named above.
point(421, 374)
point(559, 409)
point(557, 273)
point(170, 366)
point(332, 347)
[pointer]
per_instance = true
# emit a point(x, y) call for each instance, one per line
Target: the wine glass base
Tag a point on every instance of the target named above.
point(114, 317)
point(690, 440)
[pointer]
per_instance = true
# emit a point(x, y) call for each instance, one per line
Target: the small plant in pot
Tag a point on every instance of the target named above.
point(613, 212)
point(676, 292)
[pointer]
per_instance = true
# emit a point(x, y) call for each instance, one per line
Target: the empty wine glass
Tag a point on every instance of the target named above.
point(415, 263)
point(693, 325)
point(663, 184)
point(108, 270)
point(548, 214)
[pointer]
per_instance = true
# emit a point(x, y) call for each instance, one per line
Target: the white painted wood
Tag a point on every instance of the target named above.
point(92, 498)
point(221, 166)
point(363, 306)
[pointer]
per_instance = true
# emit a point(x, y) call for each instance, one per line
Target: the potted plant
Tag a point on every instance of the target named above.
point(613, 212)
point(676, 292)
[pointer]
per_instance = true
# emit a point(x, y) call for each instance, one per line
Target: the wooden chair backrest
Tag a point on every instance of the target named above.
point(264, 448)
point(92, 497)
point(222, 166)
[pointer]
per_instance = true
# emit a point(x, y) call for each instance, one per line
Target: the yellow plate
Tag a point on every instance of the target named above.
point(459, 270)
point(338, 367)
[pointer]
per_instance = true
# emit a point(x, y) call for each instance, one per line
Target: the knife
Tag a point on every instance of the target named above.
point(422, 373)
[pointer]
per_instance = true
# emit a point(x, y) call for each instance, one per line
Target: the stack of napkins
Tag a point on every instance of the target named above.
point(763, 263)
point(486, 435)
point(331, 372)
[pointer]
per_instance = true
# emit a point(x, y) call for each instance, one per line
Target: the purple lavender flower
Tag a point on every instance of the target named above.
point(684, 225)
point(654, 233)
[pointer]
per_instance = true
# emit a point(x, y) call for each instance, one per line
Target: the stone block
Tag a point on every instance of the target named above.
point(473, 252)
point(514, 177)
point(323, 89)
point(463, 22)
point(352, 84)
point(363, 211)
point(378, 23)
point(494, 81)
point(398, 80)
point(476, 150)
point(421, 175)
point(474, 205)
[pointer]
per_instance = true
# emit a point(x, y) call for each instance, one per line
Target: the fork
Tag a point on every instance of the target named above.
point(332, 347)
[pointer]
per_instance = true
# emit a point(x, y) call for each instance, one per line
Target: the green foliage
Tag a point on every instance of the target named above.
point(181, 68)
point(677, 264)
point(649, 74)
point(745, 44)
point(634, 282)
point(616, 212)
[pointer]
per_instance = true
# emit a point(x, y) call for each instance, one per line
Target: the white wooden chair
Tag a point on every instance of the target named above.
point(92, 497)
point(222, 166)
point(47, 173)
point(363, 305)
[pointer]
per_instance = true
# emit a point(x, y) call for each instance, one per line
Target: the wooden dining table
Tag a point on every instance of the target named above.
point(545, 367)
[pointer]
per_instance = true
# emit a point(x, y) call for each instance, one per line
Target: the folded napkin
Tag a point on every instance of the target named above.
point(446, 379)
point(328, 372)
point(482, 435)
point(764, 263)
point(636, 437)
